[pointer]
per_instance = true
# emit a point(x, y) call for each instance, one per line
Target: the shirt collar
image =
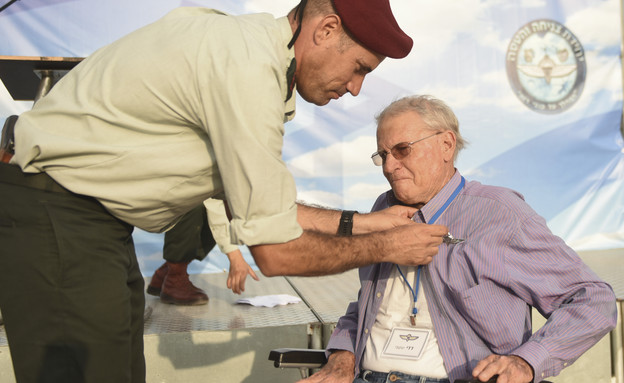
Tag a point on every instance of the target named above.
point(437, 201)
point(443, 195)
point(289, 56)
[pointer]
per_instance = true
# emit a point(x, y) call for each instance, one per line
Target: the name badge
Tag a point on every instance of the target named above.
point(406, 343)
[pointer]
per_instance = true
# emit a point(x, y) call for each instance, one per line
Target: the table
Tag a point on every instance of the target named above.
point(30, 78)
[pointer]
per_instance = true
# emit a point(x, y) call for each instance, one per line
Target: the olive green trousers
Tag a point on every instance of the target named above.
point(71, 292)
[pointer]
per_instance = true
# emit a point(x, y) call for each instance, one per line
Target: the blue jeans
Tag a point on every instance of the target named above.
point(395, 377)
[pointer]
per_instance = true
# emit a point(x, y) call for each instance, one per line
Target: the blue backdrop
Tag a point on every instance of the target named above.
point(537, 87)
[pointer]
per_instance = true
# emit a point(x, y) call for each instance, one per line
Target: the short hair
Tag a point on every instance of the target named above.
point(319, 7)
point(435, 114)
point(315, 8)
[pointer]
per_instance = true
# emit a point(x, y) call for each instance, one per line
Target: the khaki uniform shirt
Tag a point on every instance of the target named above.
point(187, 108)
point(219, 225)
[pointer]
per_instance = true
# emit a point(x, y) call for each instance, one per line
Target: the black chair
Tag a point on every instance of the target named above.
point(301, 358)
point(6, 139)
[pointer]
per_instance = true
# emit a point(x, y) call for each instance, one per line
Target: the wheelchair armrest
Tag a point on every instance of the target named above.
point(297, 357)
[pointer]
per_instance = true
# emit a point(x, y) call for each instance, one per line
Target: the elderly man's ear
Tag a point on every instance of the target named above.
point(448, 145)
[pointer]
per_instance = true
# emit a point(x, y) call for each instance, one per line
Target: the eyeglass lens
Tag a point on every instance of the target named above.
point(399, 151)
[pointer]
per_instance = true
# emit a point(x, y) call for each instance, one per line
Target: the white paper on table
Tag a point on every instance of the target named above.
point(270, 300)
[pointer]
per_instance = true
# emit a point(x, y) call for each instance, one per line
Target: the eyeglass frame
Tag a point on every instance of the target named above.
point(382, 158)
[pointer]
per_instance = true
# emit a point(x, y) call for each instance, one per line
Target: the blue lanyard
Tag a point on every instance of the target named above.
point(433, 219)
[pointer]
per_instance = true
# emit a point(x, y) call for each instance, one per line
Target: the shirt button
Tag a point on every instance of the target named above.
point(393, 378)
point(365, 331)
point(378, 295)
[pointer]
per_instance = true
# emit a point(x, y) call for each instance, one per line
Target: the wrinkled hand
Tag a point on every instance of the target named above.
point(414, 244)
point(509, 368)
point(340, 368)
point(238, 272)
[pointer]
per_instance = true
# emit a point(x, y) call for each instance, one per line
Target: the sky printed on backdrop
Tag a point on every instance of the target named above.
point(569, 165)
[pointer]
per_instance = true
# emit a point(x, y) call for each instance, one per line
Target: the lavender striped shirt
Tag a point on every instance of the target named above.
point(479, 291)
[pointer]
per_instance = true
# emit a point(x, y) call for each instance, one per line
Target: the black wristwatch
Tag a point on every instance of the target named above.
point(345, 227)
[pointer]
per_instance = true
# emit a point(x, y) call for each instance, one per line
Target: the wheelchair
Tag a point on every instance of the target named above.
point(310, 359)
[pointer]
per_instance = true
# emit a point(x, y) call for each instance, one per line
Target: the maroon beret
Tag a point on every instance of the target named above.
point(373, 24)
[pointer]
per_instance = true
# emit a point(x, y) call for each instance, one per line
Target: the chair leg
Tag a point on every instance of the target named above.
point(304, 372)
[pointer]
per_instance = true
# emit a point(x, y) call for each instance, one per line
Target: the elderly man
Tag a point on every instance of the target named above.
point(145, 129)
point(468, 312)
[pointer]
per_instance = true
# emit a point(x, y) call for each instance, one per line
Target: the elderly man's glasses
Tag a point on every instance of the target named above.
point(398, 151)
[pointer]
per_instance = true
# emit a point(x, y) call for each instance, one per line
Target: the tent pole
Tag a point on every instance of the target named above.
point(5, 6)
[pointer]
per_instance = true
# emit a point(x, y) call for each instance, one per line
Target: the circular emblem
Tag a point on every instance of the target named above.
point(546, 66)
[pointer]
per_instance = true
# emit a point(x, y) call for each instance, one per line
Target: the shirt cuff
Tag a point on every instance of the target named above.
point(279, 228)
point(537, 357)
point(221, 234)
point(340, 340)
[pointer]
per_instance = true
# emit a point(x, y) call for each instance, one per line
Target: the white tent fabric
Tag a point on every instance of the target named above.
point(537, 87)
